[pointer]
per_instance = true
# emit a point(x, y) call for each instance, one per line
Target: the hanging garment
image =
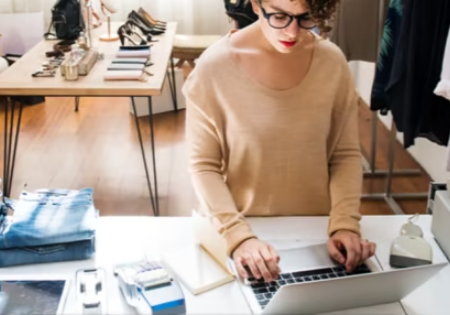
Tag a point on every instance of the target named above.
point(357, 28)
point(416, 110)
point(392, 27)
point(443, 87)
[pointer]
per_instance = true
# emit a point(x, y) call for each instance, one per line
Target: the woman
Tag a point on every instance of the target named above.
point(271, 127)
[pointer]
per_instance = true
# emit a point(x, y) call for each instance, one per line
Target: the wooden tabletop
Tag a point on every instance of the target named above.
point(17, 80)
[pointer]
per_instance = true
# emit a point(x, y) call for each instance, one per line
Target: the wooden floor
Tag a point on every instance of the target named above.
point(98, 147)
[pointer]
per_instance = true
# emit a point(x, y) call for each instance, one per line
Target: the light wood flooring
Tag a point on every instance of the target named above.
point(98, 147)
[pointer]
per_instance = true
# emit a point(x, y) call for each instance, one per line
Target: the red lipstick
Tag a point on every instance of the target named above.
point(288, 44)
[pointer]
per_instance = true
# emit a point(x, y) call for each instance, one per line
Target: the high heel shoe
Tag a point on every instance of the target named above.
point(130, 31)
point(143, 28)
point(154, 30)
point(144, 21)
point(149, 18)
point(123, 33)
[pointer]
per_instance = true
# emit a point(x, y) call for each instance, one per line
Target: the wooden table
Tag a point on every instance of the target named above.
point(18, 81)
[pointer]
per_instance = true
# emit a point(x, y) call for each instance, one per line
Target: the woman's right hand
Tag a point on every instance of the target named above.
point(260, 258)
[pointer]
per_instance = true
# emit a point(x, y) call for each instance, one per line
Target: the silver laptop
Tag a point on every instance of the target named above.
point(310, 283)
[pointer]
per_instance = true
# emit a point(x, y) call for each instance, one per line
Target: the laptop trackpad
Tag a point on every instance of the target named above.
point(305, 257)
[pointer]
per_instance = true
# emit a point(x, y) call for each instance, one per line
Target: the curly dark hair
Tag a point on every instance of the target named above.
point(322, 11)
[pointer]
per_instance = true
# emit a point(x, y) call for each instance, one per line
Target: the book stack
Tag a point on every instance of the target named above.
point(129, 64)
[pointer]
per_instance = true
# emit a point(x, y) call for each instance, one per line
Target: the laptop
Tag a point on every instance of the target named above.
point(311, 283)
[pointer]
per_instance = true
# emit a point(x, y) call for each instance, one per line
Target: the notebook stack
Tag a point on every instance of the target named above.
point(129, 64)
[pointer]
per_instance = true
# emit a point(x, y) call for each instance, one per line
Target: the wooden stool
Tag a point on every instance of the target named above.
point(190, 47)
point(187, 48)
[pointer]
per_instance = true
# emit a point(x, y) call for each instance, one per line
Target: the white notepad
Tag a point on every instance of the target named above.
point(202, 266)
point(196, 270)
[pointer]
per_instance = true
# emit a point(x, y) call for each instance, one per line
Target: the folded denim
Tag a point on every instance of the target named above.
point(81, 250)
point(3, 213)
point(48, 217)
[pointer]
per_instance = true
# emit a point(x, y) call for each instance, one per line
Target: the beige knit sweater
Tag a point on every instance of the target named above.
point(255, 151)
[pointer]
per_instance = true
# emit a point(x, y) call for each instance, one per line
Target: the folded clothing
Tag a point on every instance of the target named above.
point(81, 250)
point(49, 217)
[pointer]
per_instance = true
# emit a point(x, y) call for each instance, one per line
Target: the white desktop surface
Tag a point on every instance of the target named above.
point(122, 239)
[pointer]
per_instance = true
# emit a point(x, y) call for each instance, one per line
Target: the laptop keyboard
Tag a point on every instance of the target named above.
point(264, 291)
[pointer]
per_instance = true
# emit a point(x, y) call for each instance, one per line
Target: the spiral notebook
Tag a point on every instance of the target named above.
point(202, 266)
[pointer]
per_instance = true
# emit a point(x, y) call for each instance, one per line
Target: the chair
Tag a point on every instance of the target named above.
point(187, 48)
point(190, 47)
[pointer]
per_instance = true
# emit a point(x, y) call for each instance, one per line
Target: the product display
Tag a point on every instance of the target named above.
point(130, 64)
point(142, 26)
point(417, 64)
point(49, 68)
point(48, 225)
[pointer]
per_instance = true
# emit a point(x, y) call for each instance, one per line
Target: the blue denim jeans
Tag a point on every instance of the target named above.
point(51, 253)
point(49, 217)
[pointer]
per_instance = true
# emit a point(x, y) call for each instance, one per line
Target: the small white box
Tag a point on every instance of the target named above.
point(162, 103)
point(440, 223)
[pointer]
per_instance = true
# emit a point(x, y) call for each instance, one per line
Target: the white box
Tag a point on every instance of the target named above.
point(440, 224)
point(162, 103)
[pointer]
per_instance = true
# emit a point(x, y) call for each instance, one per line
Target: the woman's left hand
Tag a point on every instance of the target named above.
point(348, 249)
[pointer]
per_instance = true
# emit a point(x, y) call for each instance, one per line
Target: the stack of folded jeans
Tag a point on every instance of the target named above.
point(48, 225)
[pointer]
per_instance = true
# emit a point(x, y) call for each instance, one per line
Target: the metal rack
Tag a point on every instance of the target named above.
point(369, 166)
point(388, 196)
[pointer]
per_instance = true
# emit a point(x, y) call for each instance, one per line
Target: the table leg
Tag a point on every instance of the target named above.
point(16, 140)
point(152, 136)
point(9, 151)
point(77, 103)
point(154, 204)
point(5, 149)
point(173, 85)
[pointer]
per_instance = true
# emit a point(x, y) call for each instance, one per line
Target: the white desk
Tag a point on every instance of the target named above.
point(126, 238)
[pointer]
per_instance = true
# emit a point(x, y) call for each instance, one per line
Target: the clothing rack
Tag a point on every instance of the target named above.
point(369, 166)
point(388, 196)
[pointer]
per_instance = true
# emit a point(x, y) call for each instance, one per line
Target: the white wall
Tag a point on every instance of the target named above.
point(429, 155)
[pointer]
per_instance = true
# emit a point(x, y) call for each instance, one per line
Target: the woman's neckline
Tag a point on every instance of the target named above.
point(276, 92)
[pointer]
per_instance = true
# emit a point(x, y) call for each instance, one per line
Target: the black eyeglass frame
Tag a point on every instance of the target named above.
point(299, 18)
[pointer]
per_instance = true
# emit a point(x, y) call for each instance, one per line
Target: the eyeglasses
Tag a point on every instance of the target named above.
point(281, 20)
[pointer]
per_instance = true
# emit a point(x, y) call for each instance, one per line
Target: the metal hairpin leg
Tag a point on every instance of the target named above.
point(154, 200)
point(9, 151)
point(173, 85)
point(152, 141)
point(388, 196)
point(77, 103)
point(369, 166)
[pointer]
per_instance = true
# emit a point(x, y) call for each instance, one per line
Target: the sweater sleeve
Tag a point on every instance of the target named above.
point(345, 168)
point(206, 162)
